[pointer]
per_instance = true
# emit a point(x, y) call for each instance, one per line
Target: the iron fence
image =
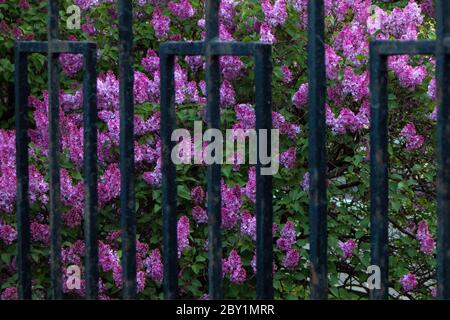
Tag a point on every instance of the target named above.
point(212, 48)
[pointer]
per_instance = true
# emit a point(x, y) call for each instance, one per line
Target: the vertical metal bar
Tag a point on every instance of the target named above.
point(23, 221)
point(214, 170)
point(264, 215)
point(379, 170)
point(317, 152)
point(169, 187)
point(127, 205)
point(54, 150)
point(90, 171)
point(443, 151)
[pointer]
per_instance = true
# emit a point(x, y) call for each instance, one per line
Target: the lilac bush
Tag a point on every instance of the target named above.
point(350, 24)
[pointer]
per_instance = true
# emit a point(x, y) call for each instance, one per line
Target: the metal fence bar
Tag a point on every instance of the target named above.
point(90, 170)
point(127, 198)
point(264, 214)
point(213, 170)
point(443, 150)
point(169, 186)
point(212, 48)
point(317, 152)
point(54, 151)
point(398, 47)
point(379, 52)
point(22, 140)
point(379, 171)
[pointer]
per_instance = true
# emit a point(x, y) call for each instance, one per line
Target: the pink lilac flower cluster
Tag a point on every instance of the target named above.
point(248, 225)
point(291, 259)
point(160, 24)
point(233, 268)
point(414, 141)
point(182, 9)
point(183, 231)
point(408, 282)
point(198, 195)
point(347, 248)
point(154, 266)
point(231, 205)
point(287, 158)
point(427, 243)
point(7, 233)
point(288, 237)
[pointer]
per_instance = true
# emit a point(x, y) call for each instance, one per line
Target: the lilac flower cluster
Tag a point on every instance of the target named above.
point(154, 266)
point(414, 141)
point(427, 243)
point(347, 248)
point(7, 233)
point(288, 237)
point(291, 259)
point(248, 225)
point(233, 268)
point(183, 231)
point(408, 282)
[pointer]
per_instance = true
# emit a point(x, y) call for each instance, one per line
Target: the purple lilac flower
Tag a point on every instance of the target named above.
point(182, 10)
point(229, 218)
point(433, 292)
point(291, 259)
point(347, 248)
point(108, 258)
point(141, 87)
point(234, 269)
point(265, 33)
point(199, 215)
point(409, 77)
point(227, 94)
point(414, 141)
point(72, 218)
point(109, 184)
point(352, 41)
point(246, 116)
point(275, 14)
point(7, 233)
point(408, 282)
point(71, 64)
point(287, 158)
point(250, 188)
point(10, 293)
point(332, 63)
point(154, 266)
point(288, 237)
point(356, 85)
point(160, 24)
point(151, 62)
point(154, 177)
point(300, 98)
point(427, 243)
point(183, 234)
point(108, 91)
point(248, 225)
point(305, 182)
point(231, 67)
point(198, 195)
point(140, 281)
point(40, 232)
point(286, 75)
point(24, 5)
point(346, 120)
point(432, 89)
